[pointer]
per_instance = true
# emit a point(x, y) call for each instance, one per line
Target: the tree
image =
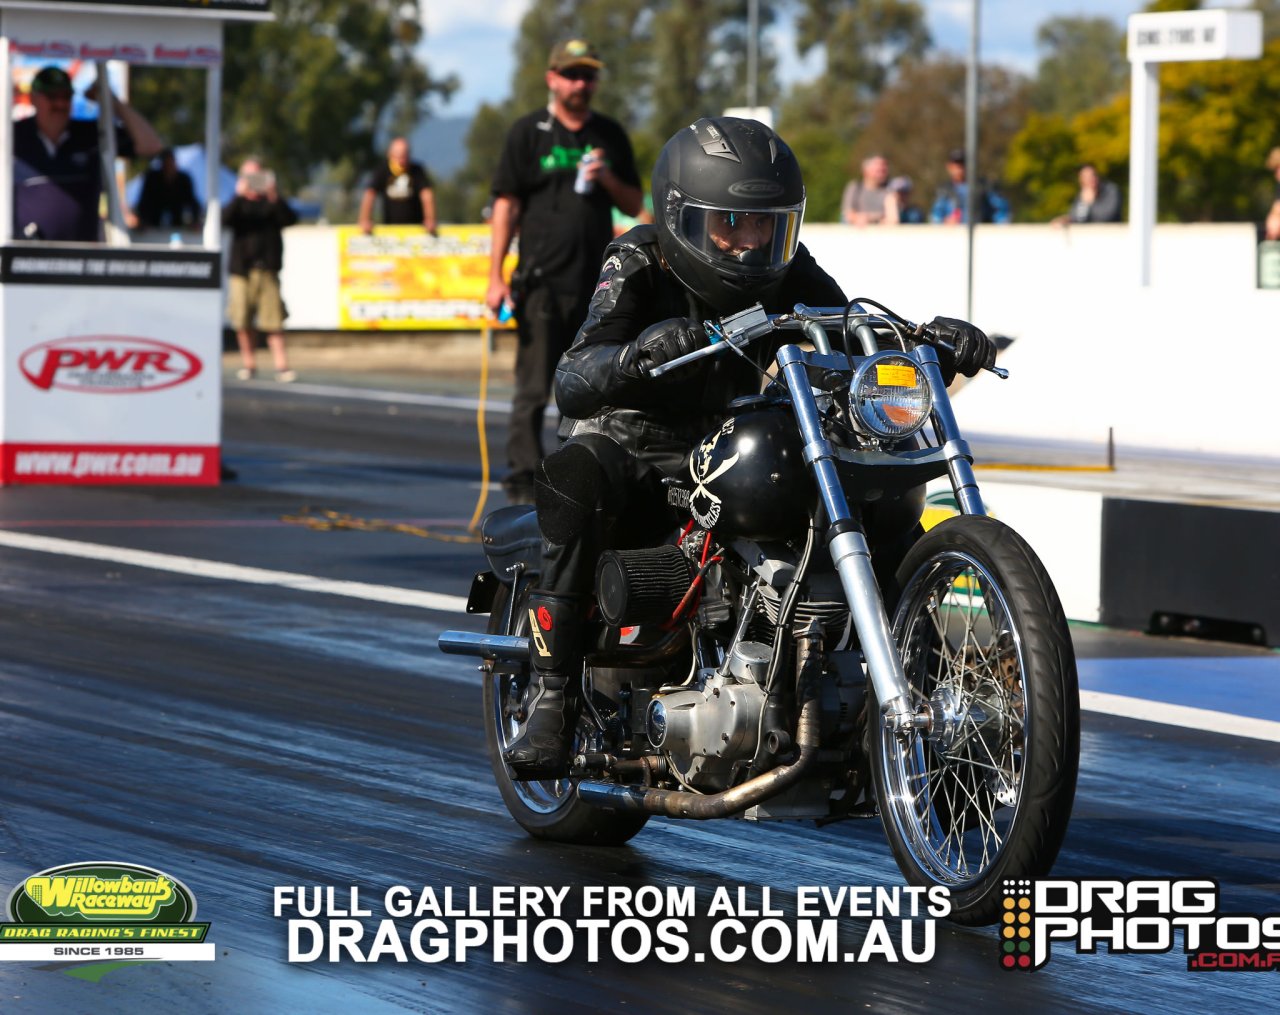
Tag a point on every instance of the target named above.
point(864, 41)
point(307, 90)
point(1083, 66)
point(1216, 127)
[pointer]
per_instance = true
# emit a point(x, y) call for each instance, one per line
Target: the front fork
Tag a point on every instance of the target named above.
point(848, 543)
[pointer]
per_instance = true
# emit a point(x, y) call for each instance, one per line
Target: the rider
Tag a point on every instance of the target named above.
point(728, 199)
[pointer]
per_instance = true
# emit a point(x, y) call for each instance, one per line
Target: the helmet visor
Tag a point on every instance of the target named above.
point(759, 240)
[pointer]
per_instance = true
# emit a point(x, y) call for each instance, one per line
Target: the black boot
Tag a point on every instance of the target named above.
point(542, 749)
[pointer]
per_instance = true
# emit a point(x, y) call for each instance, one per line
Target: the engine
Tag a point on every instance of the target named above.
point(710, 728)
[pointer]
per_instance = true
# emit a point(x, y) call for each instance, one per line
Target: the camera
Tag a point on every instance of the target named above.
point(259, 182)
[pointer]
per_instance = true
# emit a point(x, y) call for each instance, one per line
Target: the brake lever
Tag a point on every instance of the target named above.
point(736, 330)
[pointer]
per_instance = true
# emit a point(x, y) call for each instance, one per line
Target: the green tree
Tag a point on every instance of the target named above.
point(1216, 127)
point(308, 91)
point(864, 41)
point(1084, 64)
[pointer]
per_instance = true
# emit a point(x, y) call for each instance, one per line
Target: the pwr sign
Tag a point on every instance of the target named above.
point(108, 364)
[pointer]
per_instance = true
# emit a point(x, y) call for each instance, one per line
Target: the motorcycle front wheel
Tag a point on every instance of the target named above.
point(550, 808)
point(984, 792)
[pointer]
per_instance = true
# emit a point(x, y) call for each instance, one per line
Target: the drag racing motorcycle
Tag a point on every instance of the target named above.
point(755, 666)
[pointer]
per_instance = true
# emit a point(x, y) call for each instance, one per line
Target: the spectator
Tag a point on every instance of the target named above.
point(563, 232)
point(949, 205)
point(405, 189)
point(1097, 201)
point(1271, 227)
point(257, 217)
point(898, 207)
point(56, 172)
point(168, 197)
point(863, 201)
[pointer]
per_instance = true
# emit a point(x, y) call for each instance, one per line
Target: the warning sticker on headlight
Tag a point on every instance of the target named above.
point(895, 375)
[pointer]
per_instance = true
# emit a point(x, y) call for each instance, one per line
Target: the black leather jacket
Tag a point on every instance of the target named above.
point(660, 419)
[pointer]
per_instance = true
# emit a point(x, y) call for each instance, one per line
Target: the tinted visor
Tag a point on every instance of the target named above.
point(756, 240)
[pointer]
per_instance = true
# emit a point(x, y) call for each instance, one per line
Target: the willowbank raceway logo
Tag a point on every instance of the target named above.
point(1152, 915)
point(102, 911)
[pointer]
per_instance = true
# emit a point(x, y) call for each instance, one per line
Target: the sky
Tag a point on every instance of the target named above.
point(475, 39)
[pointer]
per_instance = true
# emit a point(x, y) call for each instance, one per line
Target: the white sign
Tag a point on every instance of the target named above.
point(1195, 35)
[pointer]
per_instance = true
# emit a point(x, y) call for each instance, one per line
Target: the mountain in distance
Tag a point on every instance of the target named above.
point(440, 144)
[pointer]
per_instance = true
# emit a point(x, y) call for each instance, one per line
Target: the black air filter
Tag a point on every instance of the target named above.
point(642, 586)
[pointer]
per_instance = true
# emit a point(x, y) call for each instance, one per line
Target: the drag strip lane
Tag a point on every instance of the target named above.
point(1146, 709)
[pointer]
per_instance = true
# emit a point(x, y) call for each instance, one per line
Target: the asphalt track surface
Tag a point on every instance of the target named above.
point(240, 736)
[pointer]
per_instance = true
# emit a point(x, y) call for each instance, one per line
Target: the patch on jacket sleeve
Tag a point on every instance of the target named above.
point(608, 270)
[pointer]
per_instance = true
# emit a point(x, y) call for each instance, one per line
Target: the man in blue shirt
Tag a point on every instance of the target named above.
point(56, 173)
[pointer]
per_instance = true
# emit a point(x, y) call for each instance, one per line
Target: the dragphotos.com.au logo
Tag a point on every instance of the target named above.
point(1152, 915)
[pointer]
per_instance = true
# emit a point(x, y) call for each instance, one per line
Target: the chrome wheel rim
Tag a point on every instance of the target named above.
point(953, 788)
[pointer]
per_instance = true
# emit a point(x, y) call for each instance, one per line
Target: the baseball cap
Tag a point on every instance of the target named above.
point(574, 53)
point(51, 79)
point(956, 155)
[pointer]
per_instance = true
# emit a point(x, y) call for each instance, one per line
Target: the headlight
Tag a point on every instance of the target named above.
point(889, 397)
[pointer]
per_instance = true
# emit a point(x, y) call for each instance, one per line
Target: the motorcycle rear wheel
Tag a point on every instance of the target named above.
point(984, 794)
point(550, 808)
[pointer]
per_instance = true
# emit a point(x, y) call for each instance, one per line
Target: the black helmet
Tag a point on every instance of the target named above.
point(728, 198)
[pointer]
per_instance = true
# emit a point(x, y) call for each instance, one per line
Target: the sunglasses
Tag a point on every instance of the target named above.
point(578, 74)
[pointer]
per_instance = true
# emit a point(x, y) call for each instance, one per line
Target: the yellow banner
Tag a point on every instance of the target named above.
point(402, 278)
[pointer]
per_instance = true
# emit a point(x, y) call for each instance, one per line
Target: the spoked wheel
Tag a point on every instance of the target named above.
point(546, 809)
point(983, 792)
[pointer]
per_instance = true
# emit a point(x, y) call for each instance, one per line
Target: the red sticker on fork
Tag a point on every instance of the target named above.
point(544, 618)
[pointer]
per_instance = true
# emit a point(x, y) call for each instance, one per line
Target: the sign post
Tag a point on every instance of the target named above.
point(1159, 38)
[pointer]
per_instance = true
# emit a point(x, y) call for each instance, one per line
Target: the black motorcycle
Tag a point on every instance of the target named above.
point(740, 671)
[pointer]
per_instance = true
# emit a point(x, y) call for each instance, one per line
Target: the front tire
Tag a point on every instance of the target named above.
point(546, 809)
point(984, 794)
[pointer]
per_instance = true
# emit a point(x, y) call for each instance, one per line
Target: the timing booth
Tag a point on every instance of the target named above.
point(110, 352)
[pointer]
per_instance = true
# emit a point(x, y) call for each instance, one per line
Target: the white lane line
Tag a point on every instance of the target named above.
point(234, 572)
point(1091, 701)
point(1181, 715)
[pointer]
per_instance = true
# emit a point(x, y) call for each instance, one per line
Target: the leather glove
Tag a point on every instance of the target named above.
point(971, 349)
point(661, 343)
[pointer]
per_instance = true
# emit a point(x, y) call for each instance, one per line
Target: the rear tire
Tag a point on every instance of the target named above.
point(986, 794)
point(546, 809)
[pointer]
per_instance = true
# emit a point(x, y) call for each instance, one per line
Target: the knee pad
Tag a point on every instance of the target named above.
point(567, 487)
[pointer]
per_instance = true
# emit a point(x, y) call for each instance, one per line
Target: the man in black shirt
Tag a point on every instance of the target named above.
point(562, 207)
point(257, 216)
point(405, 189)
point(168, 198)
point(57, 179)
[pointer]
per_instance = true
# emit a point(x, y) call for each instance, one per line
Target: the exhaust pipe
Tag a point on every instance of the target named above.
point(506, 647)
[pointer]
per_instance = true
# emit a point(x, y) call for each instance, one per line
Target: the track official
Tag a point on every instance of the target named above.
point(561, 204)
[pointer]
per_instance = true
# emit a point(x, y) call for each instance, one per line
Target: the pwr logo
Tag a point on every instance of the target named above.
point(108, 365)
point(1149, 915)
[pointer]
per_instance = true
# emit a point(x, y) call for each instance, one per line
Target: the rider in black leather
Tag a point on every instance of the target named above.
point(728, 199)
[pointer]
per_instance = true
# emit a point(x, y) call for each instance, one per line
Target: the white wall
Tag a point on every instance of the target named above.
point(1187, 364)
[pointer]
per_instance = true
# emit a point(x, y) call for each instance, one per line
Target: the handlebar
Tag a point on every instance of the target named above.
point(741, 329)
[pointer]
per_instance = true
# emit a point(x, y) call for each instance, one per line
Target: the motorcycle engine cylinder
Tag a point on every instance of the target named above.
point(642, 586)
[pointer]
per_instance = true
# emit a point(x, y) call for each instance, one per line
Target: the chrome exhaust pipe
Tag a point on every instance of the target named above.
point(506, 647)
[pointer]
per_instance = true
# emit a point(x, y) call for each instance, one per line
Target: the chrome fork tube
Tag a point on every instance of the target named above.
point(959, 458)
point(849, 551)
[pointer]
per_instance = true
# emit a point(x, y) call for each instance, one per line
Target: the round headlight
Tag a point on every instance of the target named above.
point(890, 397)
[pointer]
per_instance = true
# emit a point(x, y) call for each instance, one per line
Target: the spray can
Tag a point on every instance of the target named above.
point(582, 185)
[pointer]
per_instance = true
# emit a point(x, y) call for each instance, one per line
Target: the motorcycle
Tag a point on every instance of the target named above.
point(738, 671)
